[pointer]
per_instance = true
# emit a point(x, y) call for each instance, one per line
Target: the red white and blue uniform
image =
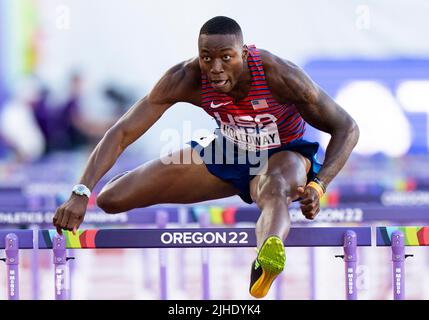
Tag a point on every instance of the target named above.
point(255, 124)
point(258, 121)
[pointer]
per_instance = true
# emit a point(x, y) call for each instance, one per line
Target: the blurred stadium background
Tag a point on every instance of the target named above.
point(69, 69)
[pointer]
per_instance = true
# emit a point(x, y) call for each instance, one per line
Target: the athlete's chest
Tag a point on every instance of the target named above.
point(249, 112)
point(249, 123)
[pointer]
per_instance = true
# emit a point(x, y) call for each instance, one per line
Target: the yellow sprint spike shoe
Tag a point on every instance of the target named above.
point(268, 265)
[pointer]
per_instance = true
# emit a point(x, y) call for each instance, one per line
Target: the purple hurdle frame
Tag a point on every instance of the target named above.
point(350, 259)
point(60, 270)
point(12, 263)
point(214, 238)
point(245, 213)
point(395, 238)
point(14, 240)
point(398, 259)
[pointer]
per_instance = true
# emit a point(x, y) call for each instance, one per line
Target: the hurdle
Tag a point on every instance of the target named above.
point(220, 215)
point(229, 215)
point(347, 237)
point(397, 238)
point(14, 240)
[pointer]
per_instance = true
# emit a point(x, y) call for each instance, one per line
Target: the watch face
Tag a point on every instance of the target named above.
point(81, 190)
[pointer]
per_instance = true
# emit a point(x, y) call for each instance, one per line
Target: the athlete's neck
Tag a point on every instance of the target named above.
point(242, 87)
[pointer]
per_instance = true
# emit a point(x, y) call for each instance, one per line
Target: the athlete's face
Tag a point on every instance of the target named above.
point(223, 58)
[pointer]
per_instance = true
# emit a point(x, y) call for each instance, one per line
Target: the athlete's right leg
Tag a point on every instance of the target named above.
point(156, 182)
point(273, 191)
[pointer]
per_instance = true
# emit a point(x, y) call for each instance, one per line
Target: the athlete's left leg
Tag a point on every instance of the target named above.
point(273, 191)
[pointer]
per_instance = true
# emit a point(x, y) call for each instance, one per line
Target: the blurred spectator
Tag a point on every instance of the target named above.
point(68, 124)
point(62, 122)
point(18, 125)
point(79, 129)
point(43, 115)
point(34, 123)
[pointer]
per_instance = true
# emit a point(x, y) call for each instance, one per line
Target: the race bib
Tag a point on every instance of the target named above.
point(252, 138)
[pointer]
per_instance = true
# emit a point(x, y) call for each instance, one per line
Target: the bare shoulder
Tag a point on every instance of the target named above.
point(287, 81)
point(181, 83)
point(186, 73)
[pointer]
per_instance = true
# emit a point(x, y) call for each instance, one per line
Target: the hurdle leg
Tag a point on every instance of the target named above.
point(34, 260)
point(12, 263)
point(204, 223)
point(161, 222)
point(312, 272)
point(60, 260)
point(163, 274)
point(183, 220)
point(279, 287)
point(70, 272)
point(350, 259)
point(146, 274)
point(398, 258)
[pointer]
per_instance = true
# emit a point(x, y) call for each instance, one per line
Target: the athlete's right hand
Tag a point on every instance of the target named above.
point(310, 202)
point(70, 214)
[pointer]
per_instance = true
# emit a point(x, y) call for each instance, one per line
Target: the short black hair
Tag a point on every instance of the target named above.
point(222, 25)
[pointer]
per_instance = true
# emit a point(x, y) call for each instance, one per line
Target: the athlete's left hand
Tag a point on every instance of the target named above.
point(310, 202)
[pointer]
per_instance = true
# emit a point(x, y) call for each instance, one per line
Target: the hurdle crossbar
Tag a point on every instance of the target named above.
point(413, 235)
point(25, 238)
point(199, 238)
point(222, 215)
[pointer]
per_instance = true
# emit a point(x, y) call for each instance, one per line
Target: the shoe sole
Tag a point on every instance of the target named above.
point(272, 259)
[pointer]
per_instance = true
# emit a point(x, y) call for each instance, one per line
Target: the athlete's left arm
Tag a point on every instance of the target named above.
point(319, 110)
point(291, 84)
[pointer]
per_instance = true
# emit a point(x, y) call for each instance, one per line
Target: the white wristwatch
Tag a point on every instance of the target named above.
point(81, 190)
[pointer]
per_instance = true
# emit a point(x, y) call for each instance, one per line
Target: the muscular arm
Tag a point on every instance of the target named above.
point(176, 85)
point(291, 84)
point(180, 83)
point(324, 114)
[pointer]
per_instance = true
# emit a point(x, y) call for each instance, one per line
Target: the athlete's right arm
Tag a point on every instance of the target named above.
point(177, 85)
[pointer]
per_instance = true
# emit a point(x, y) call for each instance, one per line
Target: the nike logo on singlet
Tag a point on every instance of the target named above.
point(214, 106)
